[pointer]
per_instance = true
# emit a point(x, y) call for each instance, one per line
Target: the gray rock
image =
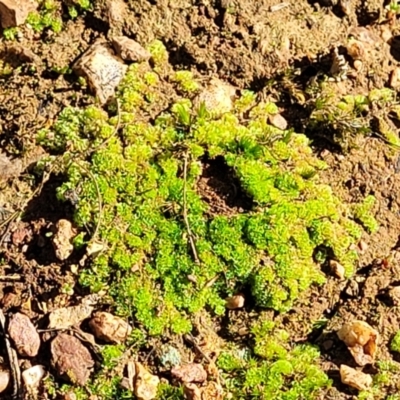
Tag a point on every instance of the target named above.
point(102, 70)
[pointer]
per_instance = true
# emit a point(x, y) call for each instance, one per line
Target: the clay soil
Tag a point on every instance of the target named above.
point(252, 45)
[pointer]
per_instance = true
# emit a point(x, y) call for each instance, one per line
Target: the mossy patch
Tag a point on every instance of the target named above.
point(166, 258)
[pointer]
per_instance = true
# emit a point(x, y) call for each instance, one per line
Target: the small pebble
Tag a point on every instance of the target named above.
point(278, 121)
point(235, 302)
point(337, 269)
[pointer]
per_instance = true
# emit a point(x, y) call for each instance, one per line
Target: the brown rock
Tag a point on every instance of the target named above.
point(278, 121)
point(361, 340)
point(62, 240)
point(356, 379)
point(71, 359)
point(24, 335)
point(15, 12)
point(109, 328)
point(146, 384)
point(102, 70)
point(129, 50)
point(337, 269)
point(235, 302)
point(188, 373)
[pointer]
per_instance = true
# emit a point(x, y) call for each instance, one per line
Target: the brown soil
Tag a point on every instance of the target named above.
point(252, 45)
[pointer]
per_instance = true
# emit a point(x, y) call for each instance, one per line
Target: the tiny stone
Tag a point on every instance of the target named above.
point(109, 328)
point(235, 302)
point(146, 384)
point(33, 376)
point(356, 379)
point(278, 121)
point(394, 80)
point(4, 380)
point(129, 50)
point(337, 269)
point(24, 335)
point(102, 70)
point(358, 64)
point(62, 240)
point(362, 246)
point(192, 372)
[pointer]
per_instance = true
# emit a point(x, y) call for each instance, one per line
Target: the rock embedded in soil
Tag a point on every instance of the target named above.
point(63, 318)
point(394, 81)
point(62, 239)
point(337, 269)
point(24, 335)
point(278, 121)
point(356, 379)
point(235, 302)
point(109, 328)
point(15, 12)
point(217, 97)
point(361, 340)
point(71, 359)
point(102, 70)
point(146, 384)
point(33, 376)
point(189, 373)
point(129, 49)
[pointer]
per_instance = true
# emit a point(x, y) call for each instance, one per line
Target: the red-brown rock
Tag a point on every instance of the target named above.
point(24, 335)
point(71, 359)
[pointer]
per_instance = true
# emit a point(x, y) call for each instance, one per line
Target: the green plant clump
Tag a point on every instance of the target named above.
point(275, 370)
point(395, 343)
point(166, 255)
point(48, 16)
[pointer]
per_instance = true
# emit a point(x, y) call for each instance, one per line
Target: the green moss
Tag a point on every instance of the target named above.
point(48, 16)
point(152, 249)
point(395, 343)
point(275, 370)
point(167, 256)
point(363, 213)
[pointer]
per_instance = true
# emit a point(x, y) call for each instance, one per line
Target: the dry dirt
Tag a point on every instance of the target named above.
point(253, 45)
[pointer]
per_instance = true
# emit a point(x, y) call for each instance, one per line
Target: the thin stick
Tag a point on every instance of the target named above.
point(185, 217)
point(13, 360)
